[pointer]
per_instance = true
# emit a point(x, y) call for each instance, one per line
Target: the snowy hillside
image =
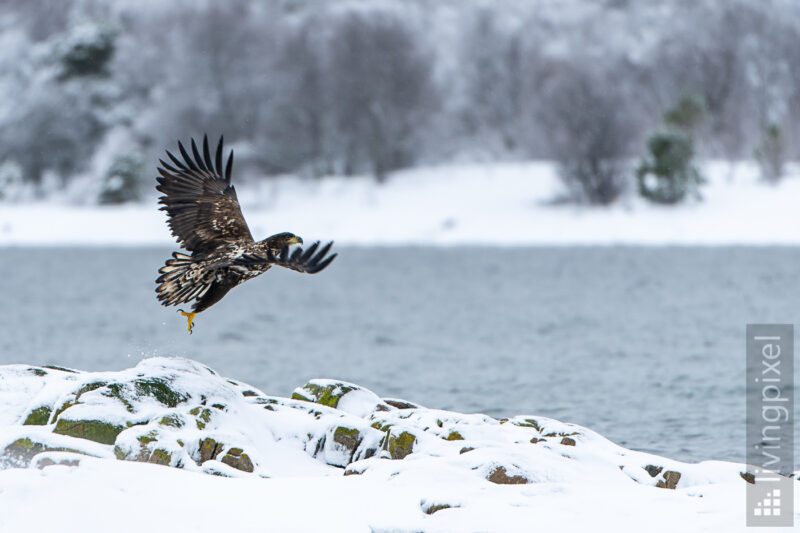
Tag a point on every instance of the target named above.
point(89, 447)
point(505, 204)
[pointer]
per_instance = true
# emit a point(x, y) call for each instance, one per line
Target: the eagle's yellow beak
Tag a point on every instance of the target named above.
point(295, 240)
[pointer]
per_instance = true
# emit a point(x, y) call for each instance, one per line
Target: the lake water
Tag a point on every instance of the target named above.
point(643, 345)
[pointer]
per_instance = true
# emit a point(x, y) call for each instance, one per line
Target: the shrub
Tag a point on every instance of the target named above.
point(121, 181)
point(771, 154)
point(590, 132)
point(87, 51)
point(668, 175)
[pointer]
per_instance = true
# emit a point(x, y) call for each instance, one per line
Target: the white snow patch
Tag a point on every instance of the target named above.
point(494, 204)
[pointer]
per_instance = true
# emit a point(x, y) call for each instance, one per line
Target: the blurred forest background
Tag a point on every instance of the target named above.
point(93, 91)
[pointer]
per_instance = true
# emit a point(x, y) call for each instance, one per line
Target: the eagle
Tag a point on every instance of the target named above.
point(205, 217)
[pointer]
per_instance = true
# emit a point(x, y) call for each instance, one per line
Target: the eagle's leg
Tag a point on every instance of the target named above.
point(190, 321)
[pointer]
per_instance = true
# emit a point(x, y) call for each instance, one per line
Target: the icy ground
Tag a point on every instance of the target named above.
point(509, 204)
point(89, 452)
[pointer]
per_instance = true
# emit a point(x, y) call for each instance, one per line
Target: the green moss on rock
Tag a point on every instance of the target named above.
point(37, 372)
point(117, 390)
point(119, 453)
point(454, 435)
point(22, 451)
point(203, 416)
point(430, 509)
point(528, 423)
point(350, 438)
point(90, 387)
point(325, 395)
point(38, 417)
point(94, 430)
point(381, 426)
point(60, 368)
point(64, 406)
point(208, 449)
point(173, 421)
point(238, 460)
point(160, 457)
point(150, 436)
point(399, 446)
point(160, 389)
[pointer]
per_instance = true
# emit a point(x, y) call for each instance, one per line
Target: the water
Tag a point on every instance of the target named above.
point(644, 345)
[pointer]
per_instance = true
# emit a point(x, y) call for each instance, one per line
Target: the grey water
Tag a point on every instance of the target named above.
point(643, 345)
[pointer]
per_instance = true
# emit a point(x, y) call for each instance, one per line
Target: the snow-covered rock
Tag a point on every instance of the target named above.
point(180, 413)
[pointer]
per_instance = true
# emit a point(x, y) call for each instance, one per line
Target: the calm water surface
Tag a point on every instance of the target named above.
point(644, 345)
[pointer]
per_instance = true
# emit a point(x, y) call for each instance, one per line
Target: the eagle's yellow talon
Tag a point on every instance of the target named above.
point(190, 321)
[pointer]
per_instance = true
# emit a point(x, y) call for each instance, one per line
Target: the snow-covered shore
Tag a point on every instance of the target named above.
point(90, 452)
point(497, 204)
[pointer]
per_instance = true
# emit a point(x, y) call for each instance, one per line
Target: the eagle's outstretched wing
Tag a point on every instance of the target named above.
point(306, 261)
point(203, 209)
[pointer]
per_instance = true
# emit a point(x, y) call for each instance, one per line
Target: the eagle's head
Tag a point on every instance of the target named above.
point(277, 242)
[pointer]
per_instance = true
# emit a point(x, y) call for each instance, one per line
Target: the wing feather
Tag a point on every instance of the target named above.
point(202, 206)
point(308, 261)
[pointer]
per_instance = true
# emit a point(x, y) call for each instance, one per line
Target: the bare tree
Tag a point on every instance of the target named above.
point(590, 134)
point(300, 129)
point(382, 89)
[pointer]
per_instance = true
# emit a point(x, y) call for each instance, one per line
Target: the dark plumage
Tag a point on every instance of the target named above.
point(205, 217)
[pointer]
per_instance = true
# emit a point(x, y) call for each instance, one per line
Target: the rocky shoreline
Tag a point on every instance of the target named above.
point(182, 414)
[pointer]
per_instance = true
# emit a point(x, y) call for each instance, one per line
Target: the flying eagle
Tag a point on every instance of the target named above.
point(205, 216)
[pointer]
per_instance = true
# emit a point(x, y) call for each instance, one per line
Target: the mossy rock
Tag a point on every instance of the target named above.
point(454, 435)
point(528, 423)
point(203, 416)
point(173, 421)
point(37, 372)
point(324, 394)
point(38, 417)
point(22, 451)
point(435, 507)
point(94, 430)
point(500, 476)
point(670, 480)
point(400, 404)
point(400, 446)
point(44, 462)
point(160, 457)
point(747, 476)
point(160, 389)
point(382, 425)
point(117, 390)
point(653, 470)
point(63, 407)
point(350, 438)
point(208, 449)
point(148, 437)
point(60, 369)
point(89, 387)
point(238, 460)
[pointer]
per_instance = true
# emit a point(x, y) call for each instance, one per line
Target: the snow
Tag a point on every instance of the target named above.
point(134, 497)
point(296, 485)
point(492, 204)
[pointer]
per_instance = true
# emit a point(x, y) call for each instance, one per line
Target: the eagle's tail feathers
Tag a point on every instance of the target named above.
point(176, 284)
